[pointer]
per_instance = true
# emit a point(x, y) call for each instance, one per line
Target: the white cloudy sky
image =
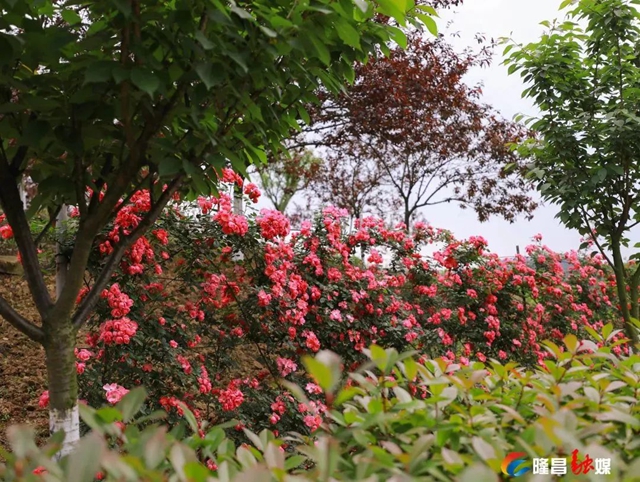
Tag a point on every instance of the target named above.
point(519, 19)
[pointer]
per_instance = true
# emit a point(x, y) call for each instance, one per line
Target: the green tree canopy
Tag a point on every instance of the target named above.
point(99, 99)
point(584, 76)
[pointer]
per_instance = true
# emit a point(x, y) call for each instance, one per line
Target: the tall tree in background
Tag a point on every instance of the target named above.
point(412, 120)
point(345, 182)
point(584, 75)
point(99, 99)
point(285, 175)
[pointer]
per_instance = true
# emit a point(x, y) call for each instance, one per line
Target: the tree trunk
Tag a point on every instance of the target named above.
point(407, 213)
point(62, 264)
point(63, 383)
point(407, 219)
point(621, 286)
point(61, 363)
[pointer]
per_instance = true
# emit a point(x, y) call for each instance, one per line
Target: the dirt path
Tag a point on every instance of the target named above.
point(22, 369)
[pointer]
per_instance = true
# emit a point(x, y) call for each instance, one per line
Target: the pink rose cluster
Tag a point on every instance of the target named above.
point(231, 223)
point(230, 399)
point(114, 392)
point(286, 366)
point(272, 224)
point(118, 332)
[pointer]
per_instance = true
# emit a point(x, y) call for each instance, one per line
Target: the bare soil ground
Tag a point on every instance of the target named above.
point(23, 371)
point(22, 368)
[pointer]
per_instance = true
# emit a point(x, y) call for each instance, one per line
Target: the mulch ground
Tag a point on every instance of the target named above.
point(22, 368)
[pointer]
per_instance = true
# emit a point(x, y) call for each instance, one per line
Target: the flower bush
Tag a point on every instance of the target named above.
point(212, 310)
point(400, 417)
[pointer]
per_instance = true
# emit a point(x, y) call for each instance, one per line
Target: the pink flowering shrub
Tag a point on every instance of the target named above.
point(212, 311)
point(114, 392)
point(5, 230)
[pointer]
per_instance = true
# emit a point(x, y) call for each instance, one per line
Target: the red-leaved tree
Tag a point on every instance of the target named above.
point(416, 129)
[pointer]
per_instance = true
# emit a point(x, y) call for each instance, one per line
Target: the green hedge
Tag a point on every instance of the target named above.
point(402, 417)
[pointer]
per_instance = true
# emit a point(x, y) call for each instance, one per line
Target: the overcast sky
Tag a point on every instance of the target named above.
point(519, 19)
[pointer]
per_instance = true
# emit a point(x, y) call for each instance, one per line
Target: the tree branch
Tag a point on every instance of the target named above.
point(18, 158)
point(14, 210)
point(82, 313)
point(80, 186)
point(52, 218)
point(18, 321)
point(594, 237)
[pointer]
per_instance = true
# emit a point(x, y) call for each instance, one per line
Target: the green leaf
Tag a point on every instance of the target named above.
point(320, 372)
point(85, 460)
point(239, 59)
point(88, 416)
point(109, 414)
point(571, 342)
point(204, 41)
point(348, 34)
point(478, 473)
point(120, 74)
point(363, 5)
point(274, 456)
point(21, 440)
point(410, 368)
point(325, 368)
point(242, 13)
point(124, 6)
point(398, 36)
point(294, 462)
point(196, 472)
point(345, 395)
point(268, 32)
point(145, 80)
point(169, 166)
point(152, 417)
point(208, 75)
point(155, 447)
point(6, 50)
point(190, 417)
point(214, 437)
point(320, 49)
point(34, 132)
point(393, 8)
point(71, 17)
point(379, 356)
point(618, 416)
point(428, 22)
point(131, 403)
point(180, 455)
point(99, 72)
point(483, 448)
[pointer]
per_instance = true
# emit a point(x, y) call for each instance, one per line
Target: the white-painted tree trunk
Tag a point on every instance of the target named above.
point(65, 420)
point(69, 422)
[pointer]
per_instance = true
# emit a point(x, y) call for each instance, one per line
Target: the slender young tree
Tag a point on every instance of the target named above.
point(283, 176)
point(99, 99)
point(584, 75)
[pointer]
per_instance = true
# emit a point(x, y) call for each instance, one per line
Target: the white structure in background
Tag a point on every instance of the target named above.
point(23, 196)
